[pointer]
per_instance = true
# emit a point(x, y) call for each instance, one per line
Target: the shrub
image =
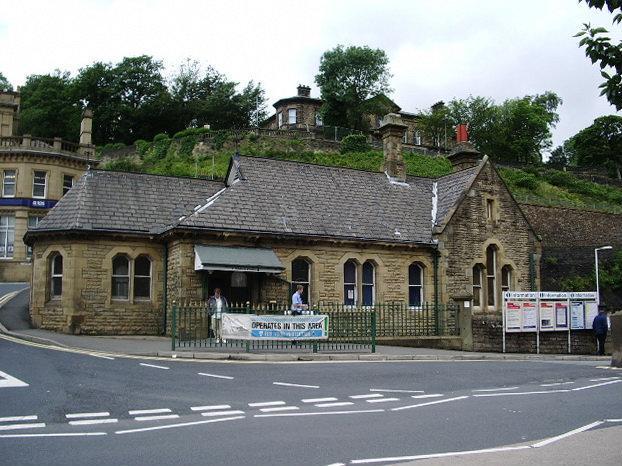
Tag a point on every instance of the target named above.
point(354, 143)
point(160, 137)
point(559, 178)
point(527, 181)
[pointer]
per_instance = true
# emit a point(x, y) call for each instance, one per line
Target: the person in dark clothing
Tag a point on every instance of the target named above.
point(599, 325)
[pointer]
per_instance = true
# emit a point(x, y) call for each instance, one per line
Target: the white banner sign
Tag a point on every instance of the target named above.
point(285, 328)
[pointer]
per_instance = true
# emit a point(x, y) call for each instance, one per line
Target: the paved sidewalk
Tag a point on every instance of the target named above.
point(13, 324)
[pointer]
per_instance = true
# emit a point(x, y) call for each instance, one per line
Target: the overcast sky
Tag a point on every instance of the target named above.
point(438, 50)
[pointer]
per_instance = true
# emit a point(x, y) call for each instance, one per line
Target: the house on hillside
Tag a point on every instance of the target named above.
point(117, 250)
point(302, 112)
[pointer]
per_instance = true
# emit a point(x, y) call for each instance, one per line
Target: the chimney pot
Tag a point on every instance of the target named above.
point(392, 133)
point(304, 91)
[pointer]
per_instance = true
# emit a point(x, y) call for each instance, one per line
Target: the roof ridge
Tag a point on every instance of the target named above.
point(190, 178)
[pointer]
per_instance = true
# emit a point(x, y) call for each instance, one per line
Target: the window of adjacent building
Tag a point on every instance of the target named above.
point(8, 183)
point(349, 283)
point(33, 221)
point(491, 279)
point(120, 277)
point(506, 278)
point(318, 119)
point(56, 276)
point(417, 138)
point(405, 137)
point(67, 183)
point(369, 283)
point(7, 236)
point(490, 209)
point(415, 285)
point(142, 278)
point(291, 116)
point(39, 183)
point(279, 118)
point(301, 275)
point(477, 285)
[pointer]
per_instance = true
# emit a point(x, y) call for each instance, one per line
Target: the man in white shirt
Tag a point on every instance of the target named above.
point(297, 305)
point(217, 304)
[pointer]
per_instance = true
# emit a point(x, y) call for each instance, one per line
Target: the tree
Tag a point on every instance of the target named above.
point(600, 144)
point(348, 79)
point(559, 158)
point(48, 108)
point(5, 85)
point(436, 124)
point(518, 130)
point(599, 48)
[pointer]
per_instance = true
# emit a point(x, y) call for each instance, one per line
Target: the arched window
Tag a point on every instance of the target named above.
point(415, 285)
point(120, 277)
point(301, 275)
point(491, 278)
point(349, 283)
point(142, 278)
point(56, 276)
point(506, 278)
point(369, 284)
point(477, 285)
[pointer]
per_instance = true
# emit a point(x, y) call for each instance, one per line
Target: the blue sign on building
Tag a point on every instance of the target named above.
point(25, 202)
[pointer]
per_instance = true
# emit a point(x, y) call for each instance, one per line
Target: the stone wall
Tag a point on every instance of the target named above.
point(86, 305)
point(569, 237)
point(488, 337)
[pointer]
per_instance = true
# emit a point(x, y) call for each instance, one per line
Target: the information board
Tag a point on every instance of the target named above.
point(561, 315)
point(591, 311)
point(513, 317)
point(530, 316)
point(577, 315)
point(547, 316)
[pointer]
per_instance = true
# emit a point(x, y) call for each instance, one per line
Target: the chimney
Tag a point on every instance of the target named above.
point(9, 113)
point(392, 133)
point(462, 133)
point(304, 91)
point(464, 156)
point(86, 128)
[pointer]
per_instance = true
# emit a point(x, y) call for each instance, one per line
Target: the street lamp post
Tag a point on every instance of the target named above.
point(602, 248)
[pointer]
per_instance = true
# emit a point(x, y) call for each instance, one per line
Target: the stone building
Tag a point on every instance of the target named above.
point(35, 173)
point(119, 248)
point(302, 112)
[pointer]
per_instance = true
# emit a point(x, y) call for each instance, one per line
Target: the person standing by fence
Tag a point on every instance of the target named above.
point(217, 304)
point(297, 305)
point(600, 327)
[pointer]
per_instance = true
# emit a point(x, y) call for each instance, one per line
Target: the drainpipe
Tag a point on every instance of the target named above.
point(436, 255)
point(165, 293)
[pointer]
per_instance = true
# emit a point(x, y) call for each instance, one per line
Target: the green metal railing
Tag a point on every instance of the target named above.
point(351, 328)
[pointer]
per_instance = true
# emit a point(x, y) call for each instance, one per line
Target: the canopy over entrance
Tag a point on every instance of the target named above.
point(236, 259)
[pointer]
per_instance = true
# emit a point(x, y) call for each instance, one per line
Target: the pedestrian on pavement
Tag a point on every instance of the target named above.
point(217, 305)
point(297, 304)
point(600, 327)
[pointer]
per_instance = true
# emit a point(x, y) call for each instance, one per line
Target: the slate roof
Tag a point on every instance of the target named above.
point(130, 202)
point(270, 196)
point(293, 198)
point(450, 190)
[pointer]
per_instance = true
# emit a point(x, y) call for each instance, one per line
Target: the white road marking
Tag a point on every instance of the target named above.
point(595, 385)
point(567, 434)
point(555, 384)
point(371, 395)
point(394, 391)
point(216, 376)
point(318, 400)
point(613, 420)
point(8, 381)
point(205, 408)
point(336, 464)
point(429, 403)
point(87, 422)
point(603, 378)
point(266, 403)
point(280, 408)
point(68, 434)
point(540, 392)
point(101, 356)
point(436, 455)
point(431, 395)
point(183, 424)
point(221, 413)
point(324, 413)
point(494, 389)
point(153, 365)
point(382, 400)
point(330, 405)
point(18, 418)
point(156, 418)
point(285, 384)
point(80, 415)
point(35, 425)
point(149, 411)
